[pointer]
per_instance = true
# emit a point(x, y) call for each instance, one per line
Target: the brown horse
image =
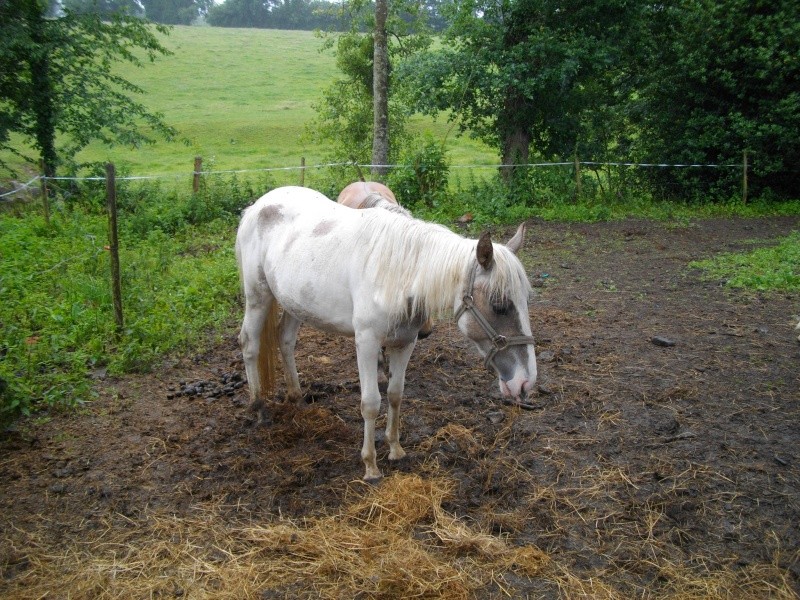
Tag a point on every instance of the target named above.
point(370, 194)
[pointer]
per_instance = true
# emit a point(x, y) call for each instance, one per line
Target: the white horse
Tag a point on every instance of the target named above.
point(372, 194)
point(397, 272)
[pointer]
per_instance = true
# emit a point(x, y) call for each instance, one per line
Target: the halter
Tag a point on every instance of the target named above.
point(499, 342)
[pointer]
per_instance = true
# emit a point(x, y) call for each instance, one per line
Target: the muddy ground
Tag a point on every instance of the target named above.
point(636, 458)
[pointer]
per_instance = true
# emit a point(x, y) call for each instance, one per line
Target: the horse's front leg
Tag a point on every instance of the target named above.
point(368, 348)
point(398, 361)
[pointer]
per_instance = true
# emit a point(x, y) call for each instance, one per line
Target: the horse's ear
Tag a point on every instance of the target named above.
point(485, 251)
point(515, 243)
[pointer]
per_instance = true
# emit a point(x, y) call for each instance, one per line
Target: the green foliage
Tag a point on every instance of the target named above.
point(175, 12)
point(179, 282)
point(62, 82)
point(723, 79)
point(222, 197)
point(692, 81)
point(776, 268)
point(421, 180)
point(345, 114)
point(531, 75)
point(276, 14)
point(104, 8)
point(549, 193)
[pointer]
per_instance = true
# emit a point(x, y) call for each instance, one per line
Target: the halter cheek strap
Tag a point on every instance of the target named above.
point(499, 342)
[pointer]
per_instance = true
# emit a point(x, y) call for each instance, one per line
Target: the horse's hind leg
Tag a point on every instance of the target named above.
point(253, 338)
point(398, 361)
point(288, 340)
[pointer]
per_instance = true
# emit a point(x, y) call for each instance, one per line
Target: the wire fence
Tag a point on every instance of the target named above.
point(38, 180)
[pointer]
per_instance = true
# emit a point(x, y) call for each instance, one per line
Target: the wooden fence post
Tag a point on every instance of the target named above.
point(198, 168)
point(578, 186)
point(45, 199)
point(302, 171)
point(113, 245)
point(744, 177)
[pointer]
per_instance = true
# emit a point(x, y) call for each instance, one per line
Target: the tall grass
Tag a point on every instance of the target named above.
point(240, 97)
point(179, 281)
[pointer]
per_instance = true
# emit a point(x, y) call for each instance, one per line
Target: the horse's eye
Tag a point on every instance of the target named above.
point(502, 308)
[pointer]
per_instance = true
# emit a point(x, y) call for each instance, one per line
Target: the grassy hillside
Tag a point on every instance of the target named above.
point(242, 98)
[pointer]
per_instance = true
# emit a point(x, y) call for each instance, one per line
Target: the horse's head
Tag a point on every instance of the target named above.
point(494, 314)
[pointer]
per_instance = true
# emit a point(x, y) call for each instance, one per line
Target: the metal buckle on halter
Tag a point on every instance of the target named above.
point(500, 342)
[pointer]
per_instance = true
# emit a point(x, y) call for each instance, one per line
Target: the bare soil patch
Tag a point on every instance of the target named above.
point(662, 458)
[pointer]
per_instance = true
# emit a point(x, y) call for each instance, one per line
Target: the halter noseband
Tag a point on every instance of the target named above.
point(499, 342)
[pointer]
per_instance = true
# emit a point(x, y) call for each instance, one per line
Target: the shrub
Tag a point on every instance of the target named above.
point(421, 180)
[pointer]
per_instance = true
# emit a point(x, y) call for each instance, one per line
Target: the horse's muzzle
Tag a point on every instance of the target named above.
point(517, 388)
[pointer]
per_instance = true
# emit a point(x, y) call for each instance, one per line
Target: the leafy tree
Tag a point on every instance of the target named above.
point(724, 78)
point(346, 113)
point(434, 18)
point(104, 8)
point(59, 86)
point(240, 13)
point(528, 74)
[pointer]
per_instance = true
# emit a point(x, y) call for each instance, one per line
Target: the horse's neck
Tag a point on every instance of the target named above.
point(426, 263)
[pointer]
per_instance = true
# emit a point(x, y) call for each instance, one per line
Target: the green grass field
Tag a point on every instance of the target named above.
point(242, 99)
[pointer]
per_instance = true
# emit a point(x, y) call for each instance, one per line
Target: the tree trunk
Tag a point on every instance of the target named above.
point(42, 87)
point(516, 145)
point(380, 91)
point(516, 137)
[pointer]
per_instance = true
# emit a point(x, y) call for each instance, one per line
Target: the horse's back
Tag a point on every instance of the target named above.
point(289, 200)
point(311, 254)
point(288, 208)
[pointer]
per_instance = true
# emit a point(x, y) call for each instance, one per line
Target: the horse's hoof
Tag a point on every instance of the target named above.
point(398, 454)
point(261, 418)
point(373, 479)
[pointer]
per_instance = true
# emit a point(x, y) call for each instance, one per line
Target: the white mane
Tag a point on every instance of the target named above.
point(428, 264)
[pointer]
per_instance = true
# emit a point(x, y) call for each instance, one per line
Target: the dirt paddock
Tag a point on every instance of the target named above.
point(660, 458)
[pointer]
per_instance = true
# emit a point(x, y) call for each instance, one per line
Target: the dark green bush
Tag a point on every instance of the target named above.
point(421, 180)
